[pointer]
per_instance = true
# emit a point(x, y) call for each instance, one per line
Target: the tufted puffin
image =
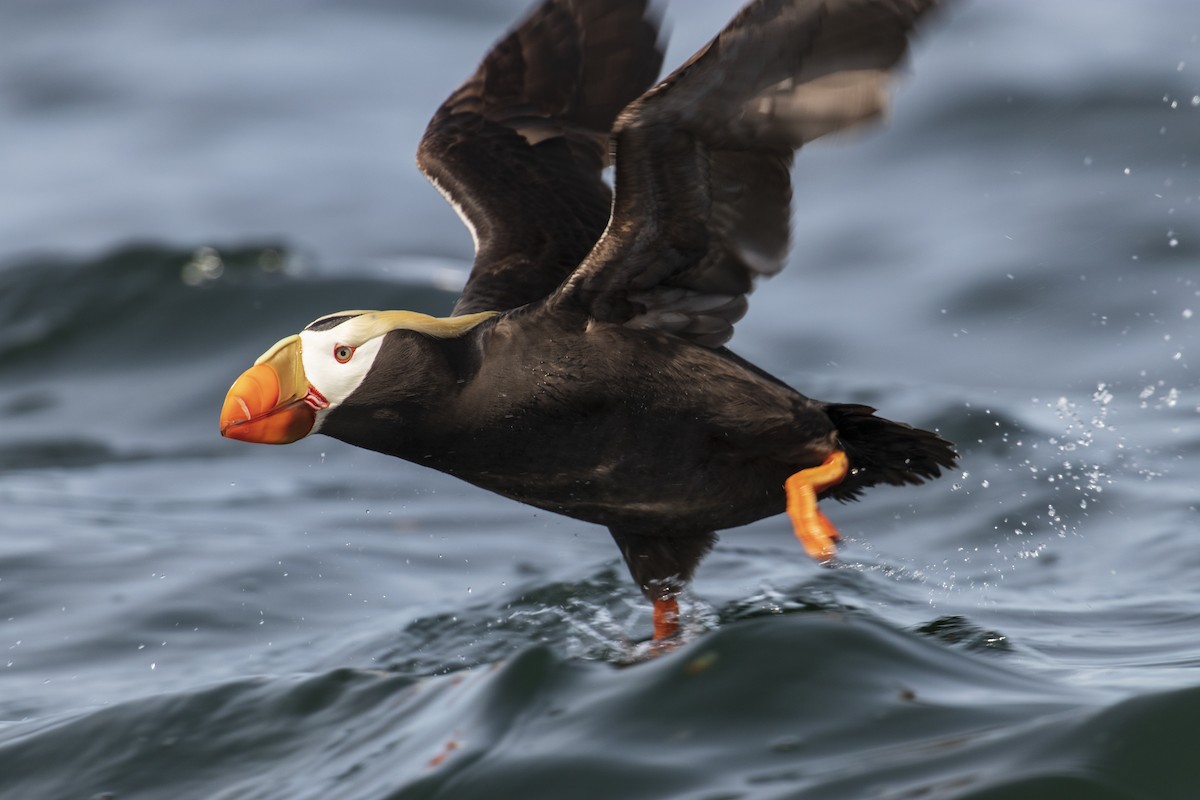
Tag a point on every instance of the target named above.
point(584, 369)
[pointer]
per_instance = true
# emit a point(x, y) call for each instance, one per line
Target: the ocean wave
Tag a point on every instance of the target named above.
point(809, 705)
point(144, 304)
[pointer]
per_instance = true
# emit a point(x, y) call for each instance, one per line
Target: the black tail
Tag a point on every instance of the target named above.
point(882, 451)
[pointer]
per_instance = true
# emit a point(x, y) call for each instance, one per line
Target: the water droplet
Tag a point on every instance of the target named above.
point(205, 265)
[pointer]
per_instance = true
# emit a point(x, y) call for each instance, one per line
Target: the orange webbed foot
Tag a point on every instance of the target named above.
point(666, 618)
point(814, 530)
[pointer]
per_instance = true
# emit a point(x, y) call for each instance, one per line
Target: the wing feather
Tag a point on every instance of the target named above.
point(518, 149)
point(703, 160)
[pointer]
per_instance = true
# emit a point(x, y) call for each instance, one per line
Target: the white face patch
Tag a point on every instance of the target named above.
point(337, 357)
point(323, 353)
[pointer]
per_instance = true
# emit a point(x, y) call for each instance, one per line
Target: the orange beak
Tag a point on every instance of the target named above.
point(272, 403)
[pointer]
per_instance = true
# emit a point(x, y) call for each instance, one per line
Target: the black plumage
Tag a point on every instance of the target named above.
point(600, 387)
point(520, 146)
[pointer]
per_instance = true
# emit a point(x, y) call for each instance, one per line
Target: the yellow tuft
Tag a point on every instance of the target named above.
point(365, 325)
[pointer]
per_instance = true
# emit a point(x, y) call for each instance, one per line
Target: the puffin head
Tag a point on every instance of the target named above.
point(293, 387)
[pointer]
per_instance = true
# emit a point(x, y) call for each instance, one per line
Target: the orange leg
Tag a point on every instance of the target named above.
point(666, 618)
point(814, 530)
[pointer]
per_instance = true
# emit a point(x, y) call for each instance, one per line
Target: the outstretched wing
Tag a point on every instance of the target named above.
point(518, 149)
point(703, 160)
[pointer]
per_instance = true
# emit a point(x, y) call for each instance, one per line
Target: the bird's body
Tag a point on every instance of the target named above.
point(628, 429)
point(583, 370)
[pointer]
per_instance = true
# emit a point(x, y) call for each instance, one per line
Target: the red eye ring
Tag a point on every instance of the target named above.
point(343, 353)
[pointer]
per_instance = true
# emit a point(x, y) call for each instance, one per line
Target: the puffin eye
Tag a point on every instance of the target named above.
point(343, 353)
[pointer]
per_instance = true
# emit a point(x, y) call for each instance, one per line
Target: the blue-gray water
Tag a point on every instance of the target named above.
point(1014, 259)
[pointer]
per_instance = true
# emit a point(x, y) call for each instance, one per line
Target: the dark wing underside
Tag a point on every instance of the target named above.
point(518, 149)
point(703, 160)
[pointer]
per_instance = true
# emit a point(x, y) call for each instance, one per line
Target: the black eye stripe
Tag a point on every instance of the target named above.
point(325, 323)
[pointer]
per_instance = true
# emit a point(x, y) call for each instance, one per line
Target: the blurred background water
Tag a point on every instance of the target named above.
point(1013, 259)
